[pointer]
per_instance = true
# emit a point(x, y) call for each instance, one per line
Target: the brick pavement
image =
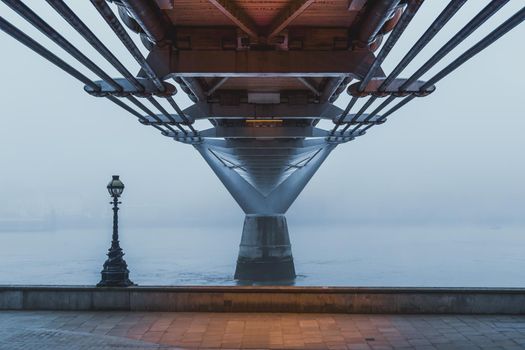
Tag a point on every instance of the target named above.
point(136, 330)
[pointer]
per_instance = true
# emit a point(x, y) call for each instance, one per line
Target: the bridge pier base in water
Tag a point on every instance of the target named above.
point(265, 252)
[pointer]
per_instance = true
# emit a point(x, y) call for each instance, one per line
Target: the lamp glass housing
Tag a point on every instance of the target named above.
point(115, 186)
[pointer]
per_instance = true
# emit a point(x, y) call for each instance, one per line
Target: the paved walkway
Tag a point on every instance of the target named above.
point(112, 330)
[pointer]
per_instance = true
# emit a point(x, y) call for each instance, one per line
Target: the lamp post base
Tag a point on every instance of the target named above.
point(115, 272)
point(115, 279)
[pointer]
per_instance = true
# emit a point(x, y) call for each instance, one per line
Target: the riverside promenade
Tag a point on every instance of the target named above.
point(86, 317)
point(59, 330)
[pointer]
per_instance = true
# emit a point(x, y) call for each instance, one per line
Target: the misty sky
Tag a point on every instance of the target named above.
point(453, 157)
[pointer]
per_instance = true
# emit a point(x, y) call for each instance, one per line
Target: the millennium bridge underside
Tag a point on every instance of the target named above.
point(264, 74)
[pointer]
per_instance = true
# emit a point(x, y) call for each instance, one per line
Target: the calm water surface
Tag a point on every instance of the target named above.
point(332, 256)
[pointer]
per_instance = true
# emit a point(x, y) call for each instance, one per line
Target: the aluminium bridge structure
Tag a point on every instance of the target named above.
point(264, 74)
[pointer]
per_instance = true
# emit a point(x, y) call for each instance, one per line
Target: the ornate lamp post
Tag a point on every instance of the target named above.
point(115, 272)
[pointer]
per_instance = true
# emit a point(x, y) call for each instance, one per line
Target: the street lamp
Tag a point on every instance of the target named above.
point(115, 272)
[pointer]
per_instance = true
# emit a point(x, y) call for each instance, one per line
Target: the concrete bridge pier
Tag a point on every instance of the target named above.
point(265, 250)
point(265, 178)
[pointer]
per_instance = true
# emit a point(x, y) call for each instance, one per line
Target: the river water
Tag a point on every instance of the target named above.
point(324, 256)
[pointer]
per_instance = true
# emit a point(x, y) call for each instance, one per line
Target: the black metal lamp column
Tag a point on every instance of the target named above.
point(115, 272)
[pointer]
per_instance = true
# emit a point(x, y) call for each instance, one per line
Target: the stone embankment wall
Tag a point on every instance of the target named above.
point(266, 299)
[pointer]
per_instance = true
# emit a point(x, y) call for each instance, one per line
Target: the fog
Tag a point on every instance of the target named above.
point(454, 157)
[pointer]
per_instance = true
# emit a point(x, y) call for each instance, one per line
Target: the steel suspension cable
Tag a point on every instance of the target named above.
point(157, 105)
point(30, 16)
point(181, 113)
point(477, 21)
point(108, 15)
point(77, 24)
point(488, 11)
point(143, 107)
point(149, 112)
point(132, 111)
point(24, 39)
point(66, 12)
point(110, 18)
point(497, 33)
point(400, 27)
point(359, 113)
point(42, 51)
point(448, 12)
